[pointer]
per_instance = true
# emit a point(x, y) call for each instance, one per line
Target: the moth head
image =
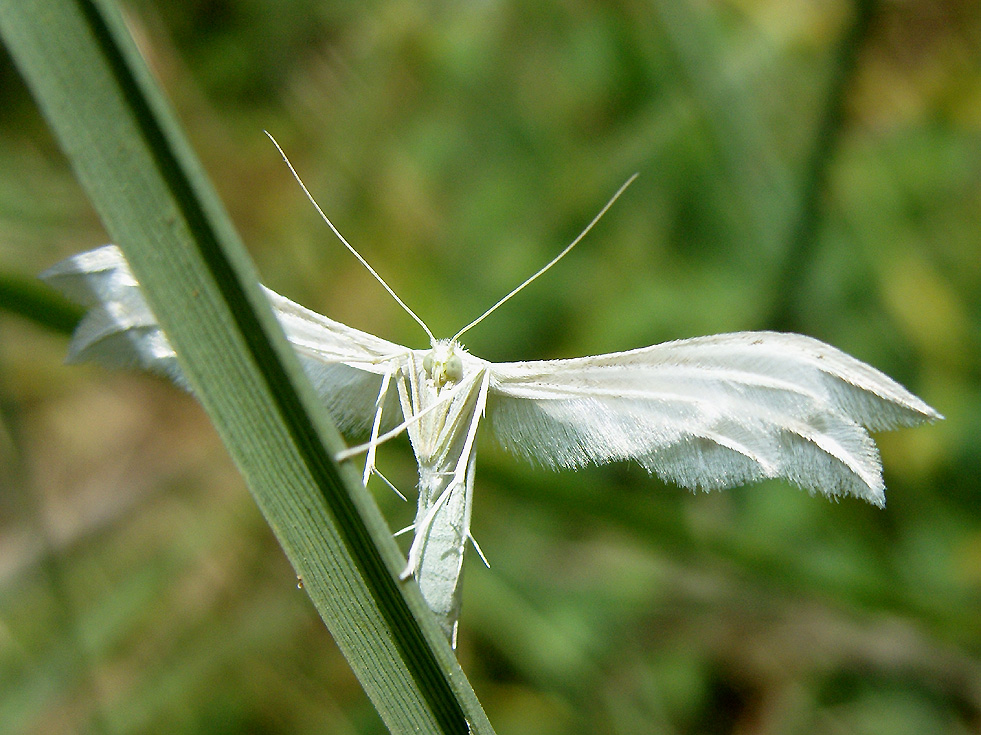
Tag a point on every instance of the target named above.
point(442, 363)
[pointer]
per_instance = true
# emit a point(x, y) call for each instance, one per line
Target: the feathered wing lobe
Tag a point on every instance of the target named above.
point(710, 412)
point(120, 331)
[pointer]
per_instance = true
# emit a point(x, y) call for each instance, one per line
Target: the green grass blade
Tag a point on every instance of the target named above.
point(30, 298)
point(156, 203)
point(765, 185)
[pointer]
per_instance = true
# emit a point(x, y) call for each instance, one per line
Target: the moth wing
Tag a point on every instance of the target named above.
point(345, 365)
point(120, 331)
point(710, 412)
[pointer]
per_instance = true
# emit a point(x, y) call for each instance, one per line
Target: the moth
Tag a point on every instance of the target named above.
point(709, 412)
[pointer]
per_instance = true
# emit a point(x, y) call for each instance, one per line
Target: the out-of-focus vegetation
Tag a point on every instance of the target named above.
point(808, 166)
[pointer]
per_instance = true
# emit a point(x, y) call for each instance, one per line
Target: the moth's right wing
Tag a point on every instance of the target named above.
point(710, 412)
point(119, 330)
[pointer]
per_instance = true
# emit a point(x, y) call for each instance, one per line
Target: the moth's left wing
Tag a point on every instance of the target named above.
point(344, 364)
point(709, 412)
point(119, 330)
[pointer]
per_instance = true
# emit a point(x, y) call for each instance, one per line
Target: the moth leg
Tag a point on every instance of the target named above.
point(468, 468)
point(403, 531)
point(369, 461)
point(460, 471)
point(392, 433)
point(375, 471)
point(477, 548)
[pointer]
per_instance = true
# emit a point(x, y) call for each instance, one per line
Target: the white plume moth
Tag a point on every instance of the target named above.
point(709, 412)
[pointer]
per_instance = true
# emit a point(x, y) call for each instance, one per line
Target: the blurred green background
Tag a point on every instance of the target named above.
point(808, 166)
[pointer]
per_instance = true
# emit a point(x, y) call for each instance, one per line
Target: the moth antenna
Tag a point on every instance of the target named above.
point(355, 253)
point(552, 262)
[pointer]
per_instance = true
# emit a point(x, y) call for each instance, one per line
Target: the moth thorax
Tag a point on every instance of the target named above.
point(442, 364)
